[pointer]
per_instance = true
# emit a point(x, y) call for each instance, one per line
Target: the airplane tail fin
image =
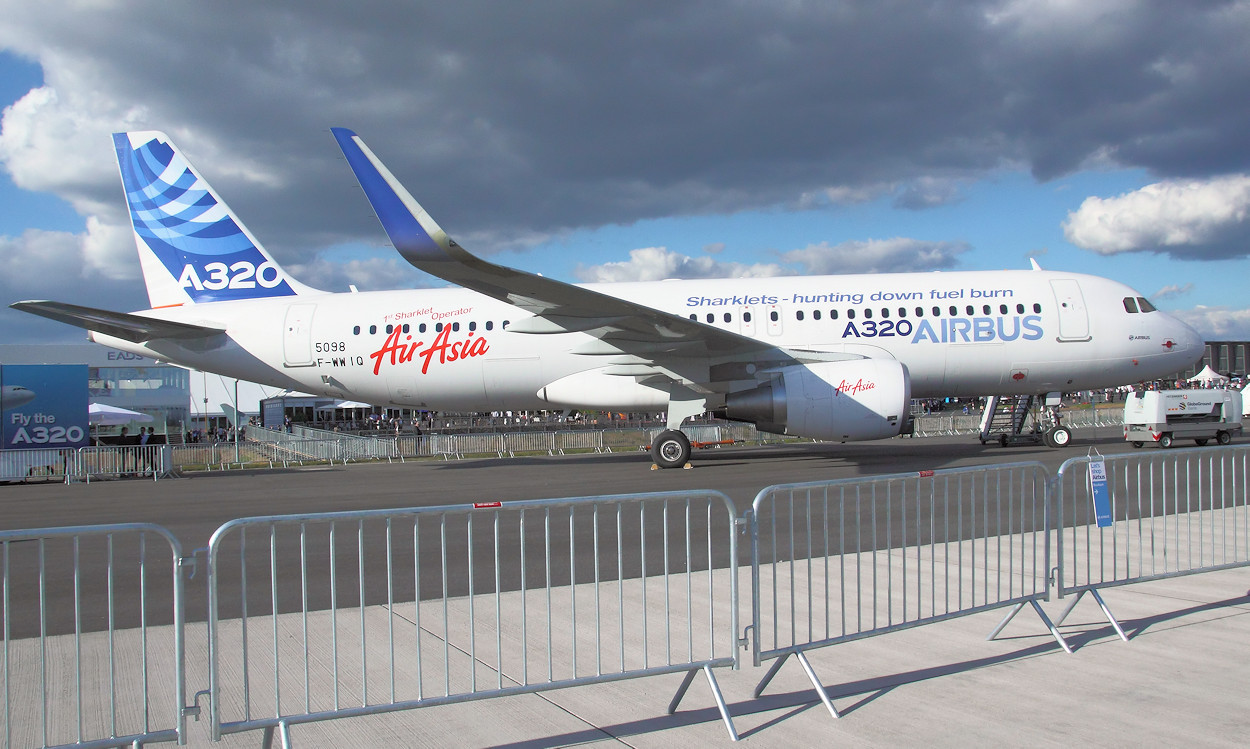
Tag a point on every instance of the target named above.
point(192, 247)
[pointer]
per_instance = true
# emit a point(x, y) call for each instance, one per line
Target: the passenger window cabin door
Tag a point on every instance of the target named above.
point(297, 335)
point(1070, 306)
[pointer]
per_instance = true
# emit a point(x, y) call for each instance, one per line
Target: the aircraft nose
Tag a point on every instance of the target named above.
point(1184, 342)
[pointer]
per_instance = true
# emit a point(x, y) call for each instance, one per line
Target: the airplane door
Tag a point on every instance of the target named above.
point(1073, 317)
point(297, 335)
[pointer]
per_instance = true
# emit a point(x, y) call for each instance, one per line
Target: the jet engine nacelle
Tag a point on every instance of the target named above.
point(863, 399)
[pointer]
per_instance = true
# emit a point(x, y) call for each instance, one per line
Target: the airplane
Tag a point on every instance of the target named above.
point(836, 358)
point(14, 396)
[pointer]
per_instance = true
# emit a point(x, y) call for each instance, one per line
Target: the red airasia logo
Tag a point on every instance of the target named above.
point(395, 351)
point(857, 387)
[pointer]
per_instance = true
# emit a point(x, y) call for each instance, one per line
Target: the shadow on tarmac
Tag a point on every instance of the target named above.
point(872, 689)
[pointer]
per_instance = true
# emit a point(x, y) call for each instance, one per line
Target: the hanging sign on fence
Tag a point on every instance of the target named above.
point(1100, 493)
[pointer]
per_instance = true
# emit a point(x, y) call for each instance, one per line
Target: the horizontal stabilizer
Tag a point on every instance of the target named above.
point(128, 327)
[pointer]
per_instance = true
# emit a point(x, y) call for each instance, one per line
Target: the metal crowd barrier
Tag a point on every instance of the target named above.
point(20, 465)
point(843, 560)
point(459, 445)
point(412, 446)
point(940, 425)
point(70, 650)
point(529, 442)
point(1168, 513)
point(581, 440)
point(116, 461)
point(378, 611)
point(86, 463)
point(947, 425)
point(439, 605)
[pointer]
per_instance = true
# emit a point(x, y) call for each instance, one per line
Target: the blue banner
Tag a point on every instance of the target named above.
point(1100, 493)
point(44, 406)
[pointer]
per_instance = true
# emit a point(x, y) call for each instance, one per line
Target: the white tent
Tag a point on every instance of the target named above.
point(1208, 375)
point(98, 413)
point(346, 405)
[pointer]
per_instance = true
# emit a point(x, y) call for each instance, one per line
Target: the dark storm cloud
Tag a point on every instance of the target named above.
point(510, 118)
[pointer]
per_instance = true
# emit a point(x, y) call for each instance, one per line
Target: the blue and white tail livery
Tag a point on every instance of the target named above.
point(192, 247)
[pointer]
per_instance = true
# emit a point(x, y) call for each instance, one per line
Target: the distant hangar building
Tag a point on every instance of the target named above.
point(179, 400)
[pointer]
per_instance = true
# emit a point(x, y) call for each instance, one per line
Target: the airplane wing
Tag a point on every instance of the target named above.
point(135, 328)
point(621, 326)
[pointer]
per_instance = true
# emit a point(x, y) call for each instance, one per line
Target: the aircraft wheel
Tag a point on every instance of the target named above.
point(1165, 440)
point(1059, 437)
point(1137, 443)
point(1202, 442)
point(1002, 440)
point(1223, 437)
point(671, 449)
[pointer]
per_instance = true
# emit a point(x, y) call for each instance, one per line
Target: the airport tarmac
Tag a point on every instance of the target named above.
point(1180, 679)
point(192, 508)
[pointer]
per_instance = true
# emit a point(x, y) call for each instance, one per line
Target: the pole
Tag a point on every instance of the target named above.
point(238, 421)
point(204, 406)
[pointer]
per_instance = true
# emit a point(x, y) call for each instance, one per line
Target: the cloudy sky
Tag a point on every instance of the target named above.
point(644, 140)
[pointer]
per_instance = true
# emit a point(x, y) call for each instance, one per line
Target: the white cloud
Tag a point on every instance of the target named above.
point(52, 265)
point(928, 192)
point(659, 263)
point(367, 274)
point(1193, 219)
point(59, 142)
point(37, 257)
point(1172, 290)
point(1217, 323)
point(109, 249)
point(872, 256)
point(895, 255)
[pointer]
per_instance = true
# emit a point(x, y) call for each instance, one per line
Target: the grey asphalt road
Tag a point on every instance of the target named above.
point(192, 508)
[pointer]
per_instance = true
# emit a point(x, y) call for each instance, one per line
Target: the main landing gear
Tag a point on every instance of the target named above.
point(670, 449)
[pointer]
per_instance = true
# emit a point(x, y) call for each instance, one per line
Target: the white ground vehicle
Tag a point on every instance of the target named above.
point(1165, 416)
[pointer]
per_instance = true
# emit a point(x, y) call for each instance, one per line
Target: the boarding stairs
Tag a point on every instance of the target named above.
point(1005, 417)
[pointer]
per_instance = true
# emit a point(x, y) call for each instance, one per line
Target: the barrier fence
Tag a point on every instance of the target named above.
point(66, 662)
point(1166, 514)
point(939, 425)
point(314, 617)
point(19, 465)
point(275, 447)
point(842, 560)
point(441, 585)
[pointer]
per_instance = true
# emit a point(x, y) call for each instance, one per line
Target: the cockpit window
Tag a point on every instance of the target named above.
point(1145, 305)
point(1130, 305)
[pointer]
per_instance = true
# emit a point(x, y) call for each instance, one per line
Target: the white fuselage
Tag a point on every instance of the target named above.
point(959, 334)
